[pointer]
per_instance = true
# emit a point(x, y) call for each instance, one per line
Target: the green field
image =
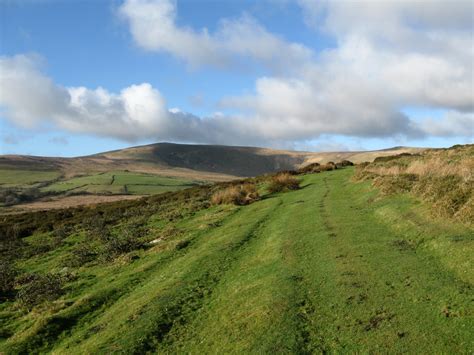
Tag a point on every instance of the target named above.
point(332, 267)
point(14, 177)
point(120, 182)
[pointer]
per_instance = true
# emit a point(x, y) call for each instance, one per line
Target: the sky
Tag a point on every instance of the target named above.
point(79, 77)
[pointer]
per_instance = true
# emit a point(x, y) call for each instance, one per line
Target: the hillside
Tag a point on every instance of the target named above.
point(336, 266)
point(205, 162)
point(30, 182)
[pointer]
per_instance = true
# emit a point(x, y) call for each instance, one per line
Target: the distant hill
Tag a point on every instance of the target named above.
point(204, 162)
point(32, 182)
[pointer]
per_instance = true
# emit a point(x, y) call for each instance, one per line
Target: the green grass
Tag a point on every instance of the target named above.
point(120, 183)
point(332, 267)
point(13, 177)
point(143, 179)
point(100, 180)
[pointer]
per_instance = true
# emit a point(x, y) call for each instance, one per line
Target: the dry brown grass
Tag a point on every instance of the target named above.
point(283, 182)
point(443, 177)
point(328, 166)
point(242, 194)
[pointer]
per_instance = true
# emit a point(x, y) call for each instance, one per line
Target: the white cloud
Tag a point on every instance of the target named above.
point(153, 27)
point(454, 124)
point(138, 112)
point(389, 56)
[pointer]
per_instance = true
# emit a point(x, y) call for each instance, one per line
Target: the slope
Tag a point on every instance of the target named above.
point(37, 183)
point(331, 267)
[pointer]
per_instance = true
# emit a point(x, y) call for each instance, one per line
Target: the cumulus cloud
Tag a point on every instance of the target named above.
point(389, 56)
point(153, 27)
point(29, 98)
point(452, 124)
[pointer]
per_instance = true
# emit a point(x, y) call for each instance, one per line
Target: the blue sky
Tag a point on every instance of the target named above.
point(309, 99)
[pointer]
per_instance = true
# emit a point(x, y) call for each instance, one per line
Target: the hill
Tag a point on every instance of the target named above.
point(206, 162)
point(339, 265)
point(47, 182)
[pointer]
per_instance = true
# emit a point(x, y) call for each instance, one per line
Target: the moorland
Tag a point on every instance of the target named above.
point(324, 257)
point(38, 183)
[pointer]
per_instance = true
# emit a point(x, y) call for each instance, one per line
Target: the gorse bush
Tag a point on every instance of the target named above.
point(242, 194)
point(124, 241)
point(37, 288)
point(7, 276)
point(82, 253)
point(283, 182)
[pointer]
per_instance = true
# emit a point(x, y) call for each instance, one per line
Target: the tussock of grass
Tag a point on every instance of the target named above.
point(242, 194)
point(283, 182)
point(443, 177)
point(311, 168)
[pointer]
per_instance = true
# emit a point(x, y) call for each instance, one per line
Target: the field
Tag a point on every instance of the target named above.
point(335, 266)
point(15, 177)
point(120, 182)
point(31, 189)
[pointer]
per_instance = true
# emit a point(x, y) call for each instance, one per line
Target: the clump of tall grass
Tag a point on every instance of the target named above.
point(443, 177)
point(311, 168)
point(242, 194)
point(283, 182)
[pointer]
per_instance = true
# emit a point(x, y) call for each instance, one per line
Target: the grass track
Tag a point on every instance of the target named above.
point(328, 268)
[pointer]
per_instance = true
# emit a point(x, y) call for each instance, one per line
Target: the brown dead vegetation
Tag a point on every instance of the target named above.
point(443, 177)
point(241, 194)
point(283, 182)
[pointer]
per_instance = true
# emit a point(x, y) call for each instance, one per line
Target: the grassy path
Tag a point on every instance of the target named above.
point(327, 268)
point(326, 273)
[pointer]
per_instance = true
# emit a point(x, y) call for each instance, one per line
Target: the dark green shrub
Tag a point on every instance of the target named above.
point(124, 241)
point(8, 273)
point(37, 288)
point(82, 254)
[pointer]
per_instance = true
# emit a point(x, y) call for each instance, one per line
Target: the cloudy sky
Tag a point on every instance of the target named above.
point(79, 77)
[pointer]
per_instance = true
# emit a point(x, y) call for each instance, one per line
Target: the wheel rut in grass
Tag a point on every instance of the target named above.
point(381, 294)
point(174, 307)
point(323, 210)
point(309, 229)
point(65, 321)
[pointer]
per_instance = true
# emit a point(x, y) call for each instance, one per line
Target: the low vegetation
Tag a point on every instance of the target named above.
point(240, 194)
point(443, 177)
point(317, 167)
point(36, 289)
point(283, 182)
point(12, 196)
point(35, 185)
point(330, 267)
